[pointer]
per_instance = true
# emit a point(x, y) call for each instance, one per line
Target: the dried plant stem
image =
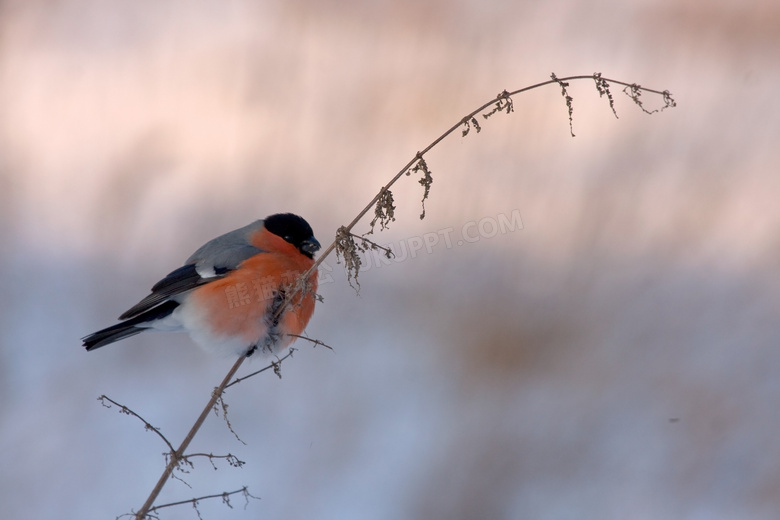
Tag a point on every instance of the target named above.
point(179, 453)
point(124, 409)
point(503, 96)
point(194, 501)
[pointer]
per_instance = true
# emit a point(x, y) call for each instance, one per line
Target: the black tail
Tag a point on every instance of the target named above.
point(129, 327)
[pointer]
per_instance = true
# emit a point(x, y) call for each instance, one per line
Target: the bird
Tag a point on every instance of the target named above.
point(229, 295)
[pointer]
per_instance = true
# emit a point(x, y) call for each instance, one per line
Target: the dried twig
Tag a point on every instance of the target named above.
point(127, 411)
point(194, 501)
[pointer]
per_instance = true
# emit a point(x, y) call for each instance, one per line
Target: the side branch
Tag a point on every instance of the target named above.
point(194, 501)
point(273, 366)
point(127, 411)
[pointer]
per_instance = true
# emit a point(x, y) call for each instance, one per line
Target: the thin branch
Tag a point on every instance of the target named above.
point(312, 340)
point(272, 365)
point(230, 458)
point(194, 501)
point(127, 411)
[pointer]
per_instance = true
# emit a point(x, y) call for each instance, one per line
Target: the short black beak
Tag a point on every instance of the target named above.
point(310, 246)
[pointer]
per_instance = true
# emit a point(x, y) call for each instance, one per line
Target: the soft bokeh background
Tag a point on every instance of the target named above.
point(616, 358)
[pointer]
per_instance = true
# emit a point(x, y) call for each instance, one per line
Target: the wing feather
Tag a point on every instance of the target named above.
point(183, 279)
point(214, 260)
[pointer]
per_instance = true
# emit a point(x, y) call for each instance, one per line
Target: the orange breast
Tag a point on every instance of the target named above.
point(240, 305)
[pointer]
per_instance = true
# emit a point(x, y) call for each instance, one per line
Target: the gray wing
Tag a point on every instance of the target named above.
point(227, 250)
point(212, 261)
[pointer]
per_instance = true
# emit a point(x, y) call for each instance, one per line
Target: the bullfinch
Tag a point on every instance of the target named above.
point(228, 294)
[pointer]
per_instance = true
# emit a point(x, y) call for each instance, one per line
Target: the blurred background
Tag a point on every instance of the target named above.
point(598, 339)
